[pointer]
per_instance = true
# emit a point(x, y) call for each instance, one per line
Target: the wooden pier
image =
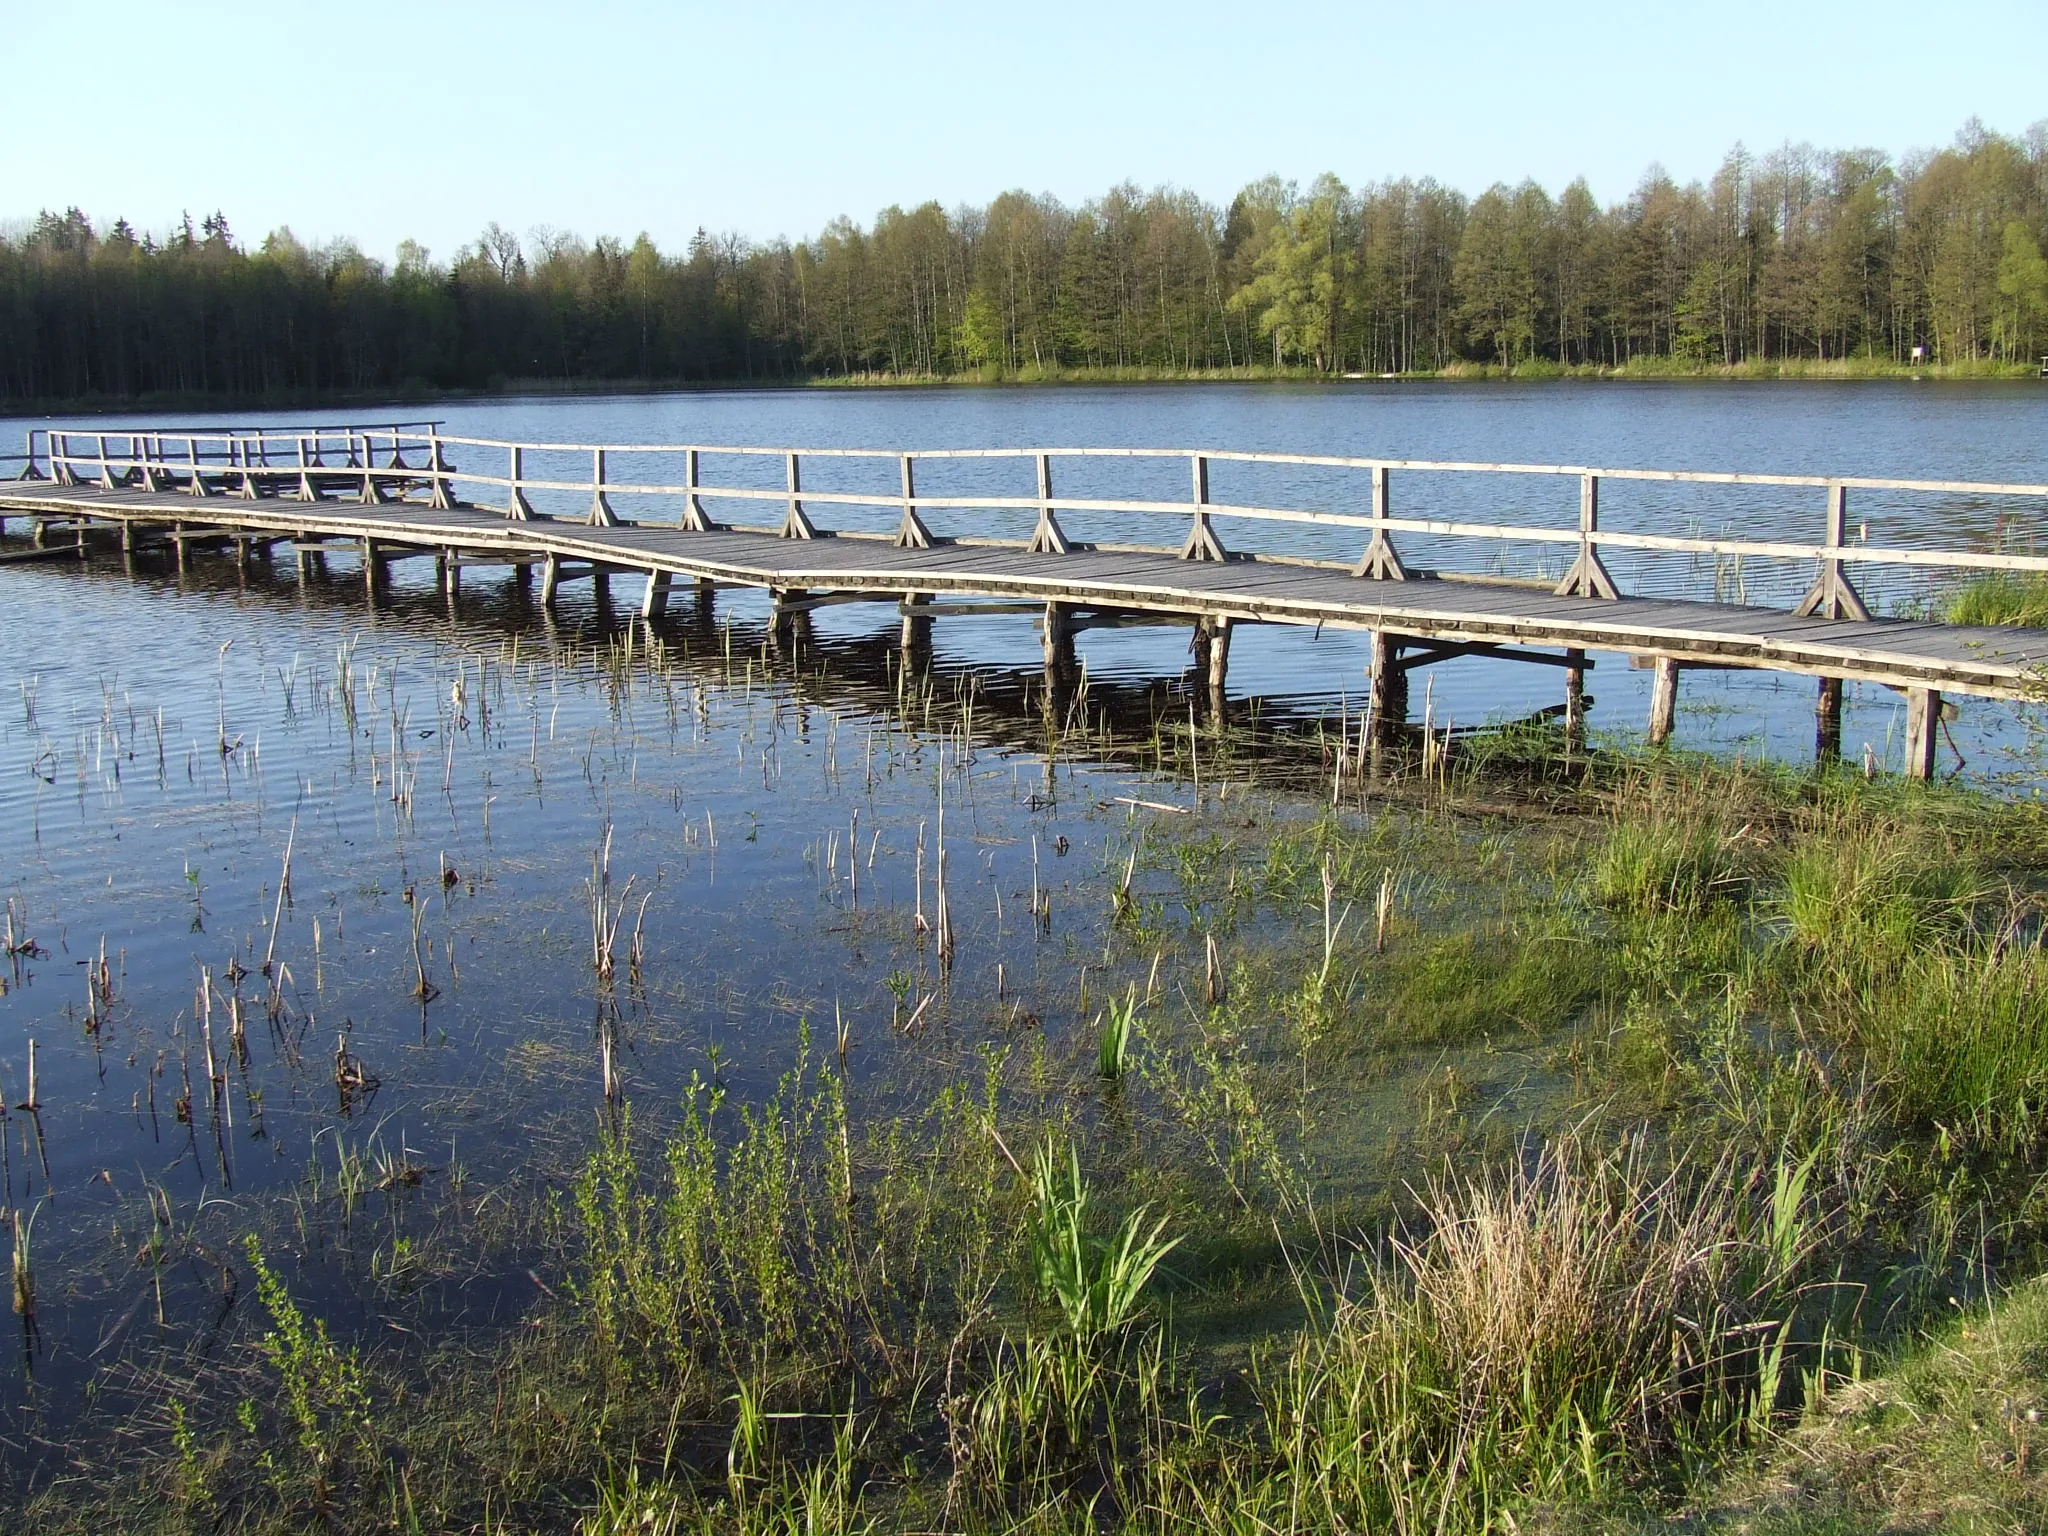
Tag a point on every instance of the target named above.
point(392, 491)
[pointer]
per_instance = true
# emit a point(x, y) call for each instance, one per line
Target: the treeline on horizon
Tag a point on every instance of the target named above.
point(1796, 255)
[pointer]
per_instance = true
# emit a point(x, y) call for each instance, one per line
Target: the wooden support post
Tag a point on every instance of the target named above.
point(789, 618)
point(1048, 538)
point(303, 558)
point(1202, 543)
point(1387, 699)
point(1218, 631)
point(601, 513)
point(1058, 626)
point(916, 633)
point(911, 532)
point(1664, 701)
point(601, 588)
point(1575, 700)
point(176, 543)
point(1827, 721)
point(373, 569)
point(1923, 722)
point(550, 578)
point(451, 574)
point(1588, 576)
point(796, 523)
point(654, 602)
point(1832, 596)
point(1380, 562)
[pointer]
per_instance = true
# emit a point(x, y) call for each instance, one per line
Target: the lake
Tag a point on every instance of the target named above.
point(451, 793)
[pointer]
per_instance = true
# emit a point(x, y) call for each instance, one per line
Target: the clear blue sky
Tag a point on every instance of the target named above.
point(387, 120)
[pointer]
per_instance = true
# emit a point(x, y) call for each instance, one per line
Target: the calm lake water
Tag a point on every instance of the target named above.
point(444, 781)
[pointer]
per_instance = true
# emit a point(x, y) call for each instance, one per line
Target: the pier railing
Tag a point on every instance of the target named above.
point(1472, 521)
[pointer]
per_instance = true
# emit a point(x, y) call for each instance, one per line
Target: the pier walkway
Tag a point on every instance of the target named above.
point(392, 491)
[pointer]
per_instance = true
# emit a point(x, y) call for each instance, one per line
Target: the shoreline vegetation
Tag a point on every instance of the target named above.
point(1801, 260)
point(1707, 1182)
point(1642, 370)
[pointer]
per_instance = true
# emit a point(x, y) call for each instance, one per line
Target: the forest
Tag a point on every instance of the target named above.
point(1800, 256)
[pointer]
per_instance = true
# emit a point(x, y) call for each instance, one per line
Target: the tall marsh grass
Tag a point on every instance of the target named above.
point(2000, 598)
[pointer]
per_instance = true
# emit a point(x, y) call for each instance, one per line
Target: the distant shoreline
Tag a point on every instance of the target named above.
point(1641, 371)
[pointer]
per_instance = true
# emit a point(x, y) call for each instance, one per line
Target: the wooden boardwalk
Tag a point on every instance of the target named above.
point(1415, 620)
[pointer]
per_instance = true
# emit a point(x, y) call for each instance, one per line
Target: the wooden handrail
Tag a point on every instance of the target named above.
point(412, 460)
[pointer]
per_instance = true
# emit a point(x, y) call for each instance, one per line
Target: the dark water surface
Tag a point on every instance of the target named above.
point(445, 780)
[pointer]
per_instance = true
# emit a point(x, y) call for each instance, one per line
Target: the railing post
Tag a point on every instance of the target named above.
point(441, 494)
point(1380, 562)
point(372, 494)
point(695, 518)
point(242, 448)
point(1048, 538)
point(601, 513)
point(29, 470)
point(307, 491)
point(796, 524)
point(196, 486)
point(1202, 543)
point(1831, 596)
point(60, 459)
point(517, 507)
point(911, 532)
point(147, 451)
point(1588, 576)
point(106, 466)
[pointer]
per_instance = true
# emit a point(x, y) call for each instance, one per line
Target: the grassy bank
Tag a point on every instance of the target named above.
point(425, 394)
point(1636, 368)
point(1539, 1145)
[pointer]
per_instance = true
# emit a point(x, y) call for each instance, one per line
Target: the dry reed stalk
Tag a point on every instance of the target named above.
point(24, 1276)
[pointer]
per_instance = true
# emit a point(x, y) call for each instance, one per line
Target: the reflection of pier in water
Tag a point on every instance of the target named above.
point(1044, 704)
point(390, 492)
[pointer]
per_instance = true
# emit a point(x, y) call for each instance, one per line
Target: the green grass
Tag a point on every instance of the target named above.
point(2020, 599)
point(1949, 1439)
point(1452, 988)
